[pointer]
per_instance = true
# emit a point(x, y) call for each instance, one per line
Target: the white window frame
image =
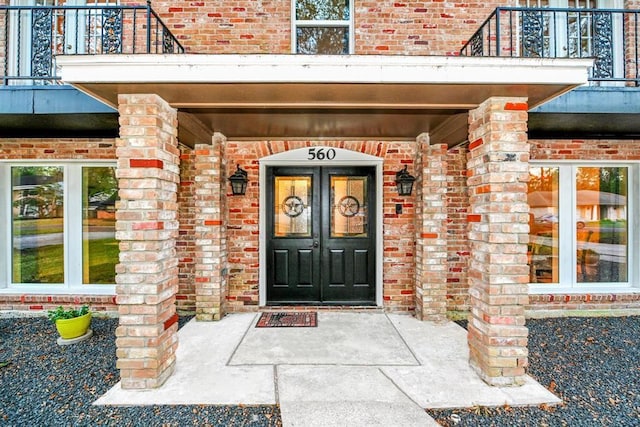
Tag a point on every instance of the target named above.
point(72, 229)
point(295, 24)
point(567, 242)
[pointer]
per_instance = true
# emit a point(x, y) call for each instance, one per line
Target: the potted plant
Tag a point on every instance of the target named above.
point(72, 323)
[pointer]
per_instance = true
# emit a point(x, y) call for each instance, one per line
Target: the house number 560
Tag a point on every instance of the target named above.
point(321, 154)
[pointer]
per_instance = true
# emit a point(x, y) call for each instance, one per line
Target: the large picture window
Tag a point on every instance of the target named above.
point(580, 228)
point(60, 226)
point(322, 27)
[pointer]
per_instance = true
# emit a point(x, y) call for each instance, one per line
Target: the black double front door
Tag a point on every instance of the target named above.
point(320, 231)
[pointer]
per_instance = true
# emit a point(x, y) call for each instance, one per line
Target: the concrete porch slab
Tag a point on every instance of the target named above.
point(357, 369)
point(201, 375)
point(445, 379)
point(362, 339)
point(344, 396)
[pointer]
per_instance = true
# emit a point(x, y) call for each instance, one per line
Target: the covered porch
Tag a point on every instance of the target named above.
point(430, 103)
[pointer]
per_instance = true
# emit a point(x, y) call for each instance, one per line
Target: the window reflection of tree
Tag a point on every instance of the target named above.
point(334, 10)
point(327, 41)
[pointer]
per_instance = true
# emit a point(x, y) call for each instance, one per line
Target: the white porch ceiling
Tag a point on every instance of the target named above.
point(323, 97)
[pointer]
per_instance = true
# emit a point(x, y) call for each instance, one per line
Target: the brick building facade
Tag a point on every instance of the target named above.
point(501, 177)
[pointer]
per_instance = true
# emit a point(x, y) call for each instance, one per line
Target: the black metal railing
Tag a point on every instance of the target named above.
point(34, 35)
point(609, 36)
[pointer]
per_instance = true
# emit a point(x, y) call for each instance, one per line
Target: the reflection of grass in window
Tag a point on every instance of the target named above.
point(44, 264)
point(30, 227)
point(102, 256)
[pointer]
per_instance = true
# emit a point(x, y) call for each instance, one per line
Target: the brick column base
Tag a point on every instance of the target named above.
point(147, 276)
point(498, 171)
point(431, 231)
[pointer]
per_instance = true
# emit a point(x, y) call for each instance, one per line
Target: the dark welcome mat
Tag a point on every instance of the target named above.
point(288, 320)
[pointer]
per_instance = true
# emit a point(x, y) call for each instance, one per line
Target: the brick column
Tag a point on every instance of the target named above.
point(210, 229)
point(498, 235)
point(631, 41)
point(147, 276)
point(431, 231)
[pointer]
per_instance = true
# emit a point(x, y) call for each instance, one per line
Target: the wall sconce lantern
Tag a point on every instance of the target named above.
point(404, 182)
point(239, 182)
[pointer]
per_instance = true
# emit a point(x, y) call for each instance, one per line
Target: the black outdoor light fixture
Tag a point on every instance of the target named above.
point(404, 182)
point(239, 181)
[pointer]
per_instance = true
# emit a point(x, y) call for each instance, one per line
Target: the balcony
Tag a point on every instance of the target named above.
point(609, 36)
point(33, 100)
point(35, 35)
point(609, 106)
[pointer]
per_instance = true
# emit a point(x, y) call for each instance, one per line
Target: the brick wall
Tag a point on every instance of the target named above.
point(243, 232)
point(381, 27)
point(56, 149)
point(457, 244)
point(558, 302)
point(417, 28)
point(578, 149)
point(631, 42)
point(242, 26)
point(3, 40)
point(39, 304)
point(185, 243)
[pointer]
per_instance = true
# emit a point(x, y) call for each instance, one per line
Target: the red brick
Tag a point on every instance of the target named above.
point(146, 163)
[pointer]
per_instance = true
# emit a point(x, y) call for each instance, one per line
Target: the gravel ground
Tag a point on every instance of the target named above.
point(43, 384)
point(593, 364)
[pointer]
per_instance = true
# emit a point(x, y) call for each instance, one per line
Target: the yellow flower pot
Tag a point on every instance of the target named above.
point(73, 328)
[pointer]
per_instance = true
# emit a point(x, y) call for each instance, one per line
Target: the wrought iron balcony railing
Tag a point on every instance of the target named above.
point(609, 36)
point(32, 36)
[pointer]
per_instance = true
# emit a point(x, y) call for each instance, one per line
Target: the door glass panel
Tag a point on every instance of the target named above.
point(37, 223)
point(99, 246)
point(601, 224)
point(292, 206)
point(349, 206)
point(543, 224)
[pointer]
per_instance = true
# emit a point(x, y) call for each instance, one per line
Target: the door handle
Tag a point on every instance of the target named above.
point(316, 244)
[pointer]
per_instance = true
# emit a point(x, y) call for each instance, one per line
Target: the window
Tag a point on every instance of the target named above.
point(60, 230)
point(322, 27)
point(580, 228)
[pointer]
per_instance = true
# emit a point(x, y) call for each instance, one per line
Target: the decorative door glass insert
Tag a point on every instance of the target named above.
point(292, 206)
point(601, 224)
point(349, 206)
point(99, 244)
point(37, 224)
point(544, 219)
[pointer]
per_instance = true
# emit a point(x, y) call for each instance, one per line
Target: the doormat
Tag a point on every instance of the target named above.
point(288, 320)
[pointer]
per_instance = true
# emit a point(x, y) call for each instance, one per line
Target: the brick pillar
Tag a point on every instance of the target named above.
point(498, 171)
point(147, 276)
point(631, 40)
point(431, 231)
point(210, 229)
